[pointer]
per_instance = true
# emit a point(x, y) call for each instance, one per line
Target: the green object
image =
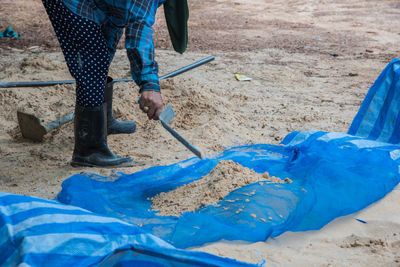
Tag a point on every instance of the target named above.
point(10, 33)
point(177, 14)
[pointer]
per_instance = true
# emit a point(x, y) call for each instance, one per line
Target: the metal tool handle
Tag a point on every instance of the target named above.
point(188, 67)
point(57, 123)
point(33, 84)
point(182, 140)
point(52, 83)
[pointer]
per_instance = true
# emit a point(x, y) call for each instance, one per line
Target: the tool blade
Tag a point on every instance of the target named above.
point(167, 114)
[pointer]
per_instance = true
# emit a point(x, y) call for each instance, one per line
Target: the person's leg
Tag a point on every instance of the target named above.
point(85, 51)
point(112, 35)
point(114, 126)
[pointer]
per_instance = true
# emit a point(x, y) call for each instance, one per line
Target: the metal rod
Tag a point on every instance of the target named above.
point(188, 67)
point(52, 83)
point(57, 123)
point(182, 140)
point(33, 84)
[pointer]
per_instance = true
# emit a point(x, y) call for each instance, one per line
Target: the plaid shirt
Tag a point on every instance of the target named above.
point(137, 18)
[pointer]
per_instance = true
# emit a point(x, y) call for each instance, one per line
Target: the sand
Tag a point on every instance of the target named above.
point(226, 177)
point(289, 48)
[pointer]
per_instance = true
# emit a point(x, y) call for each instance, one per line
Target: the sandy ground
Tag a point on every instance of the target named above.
point(287, 47)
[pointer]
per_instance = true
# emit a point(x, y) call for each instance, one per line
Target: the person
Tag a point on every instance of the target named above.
point(88, 32)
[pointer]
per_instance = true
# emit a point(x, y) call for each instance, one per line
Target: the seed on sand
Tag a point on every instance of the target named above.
point(239, 210)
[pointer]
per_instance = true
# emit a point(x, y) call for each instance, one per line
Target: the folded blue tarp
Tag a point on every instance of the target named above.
point(38, 232)
point(379, 115)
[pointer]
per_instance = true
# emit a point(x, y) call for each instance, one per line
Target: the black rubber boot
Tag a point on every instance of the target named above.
point(114, 126)
point(91, 148)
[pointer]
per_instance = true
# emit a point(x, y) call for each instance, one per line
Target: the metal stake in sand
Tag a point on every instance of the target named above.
point(32, 128)
point(165, 117)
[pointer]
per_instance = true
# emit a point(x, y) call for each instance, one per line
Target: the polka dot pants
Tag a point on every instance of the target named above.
point(85, 51)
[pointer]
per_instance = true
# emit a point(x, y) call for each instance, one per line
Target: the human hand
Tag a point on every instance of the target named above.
point(151, 103)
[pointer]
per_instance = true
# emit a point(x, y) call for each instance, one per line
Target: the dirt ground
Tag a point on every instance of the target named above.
point(312, 62)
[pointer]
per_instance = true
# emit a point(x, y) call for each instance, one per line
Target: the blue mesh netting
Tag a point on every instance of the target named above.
point(332, 173)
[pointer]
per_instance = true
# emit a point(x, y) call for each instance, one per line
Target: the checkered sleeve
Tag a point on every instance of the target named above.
point(140, 49)
point(137, 17)
point(86, 9)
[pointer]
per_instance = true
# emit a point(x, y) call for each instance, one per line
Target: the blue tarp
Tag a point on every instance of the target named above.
point(38, 232)
point(333, 174)
point(379, 115)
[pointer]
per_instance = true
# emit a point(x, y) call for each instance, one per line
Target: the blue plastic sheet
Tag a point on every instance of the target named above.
point(39, 232)
point(379, 115)
point(332, 173)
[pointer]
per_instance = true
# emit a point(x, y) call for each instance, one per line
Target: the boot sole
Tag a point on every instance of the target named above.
point(119, 132)
point(115, 129)
point(85, 164)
